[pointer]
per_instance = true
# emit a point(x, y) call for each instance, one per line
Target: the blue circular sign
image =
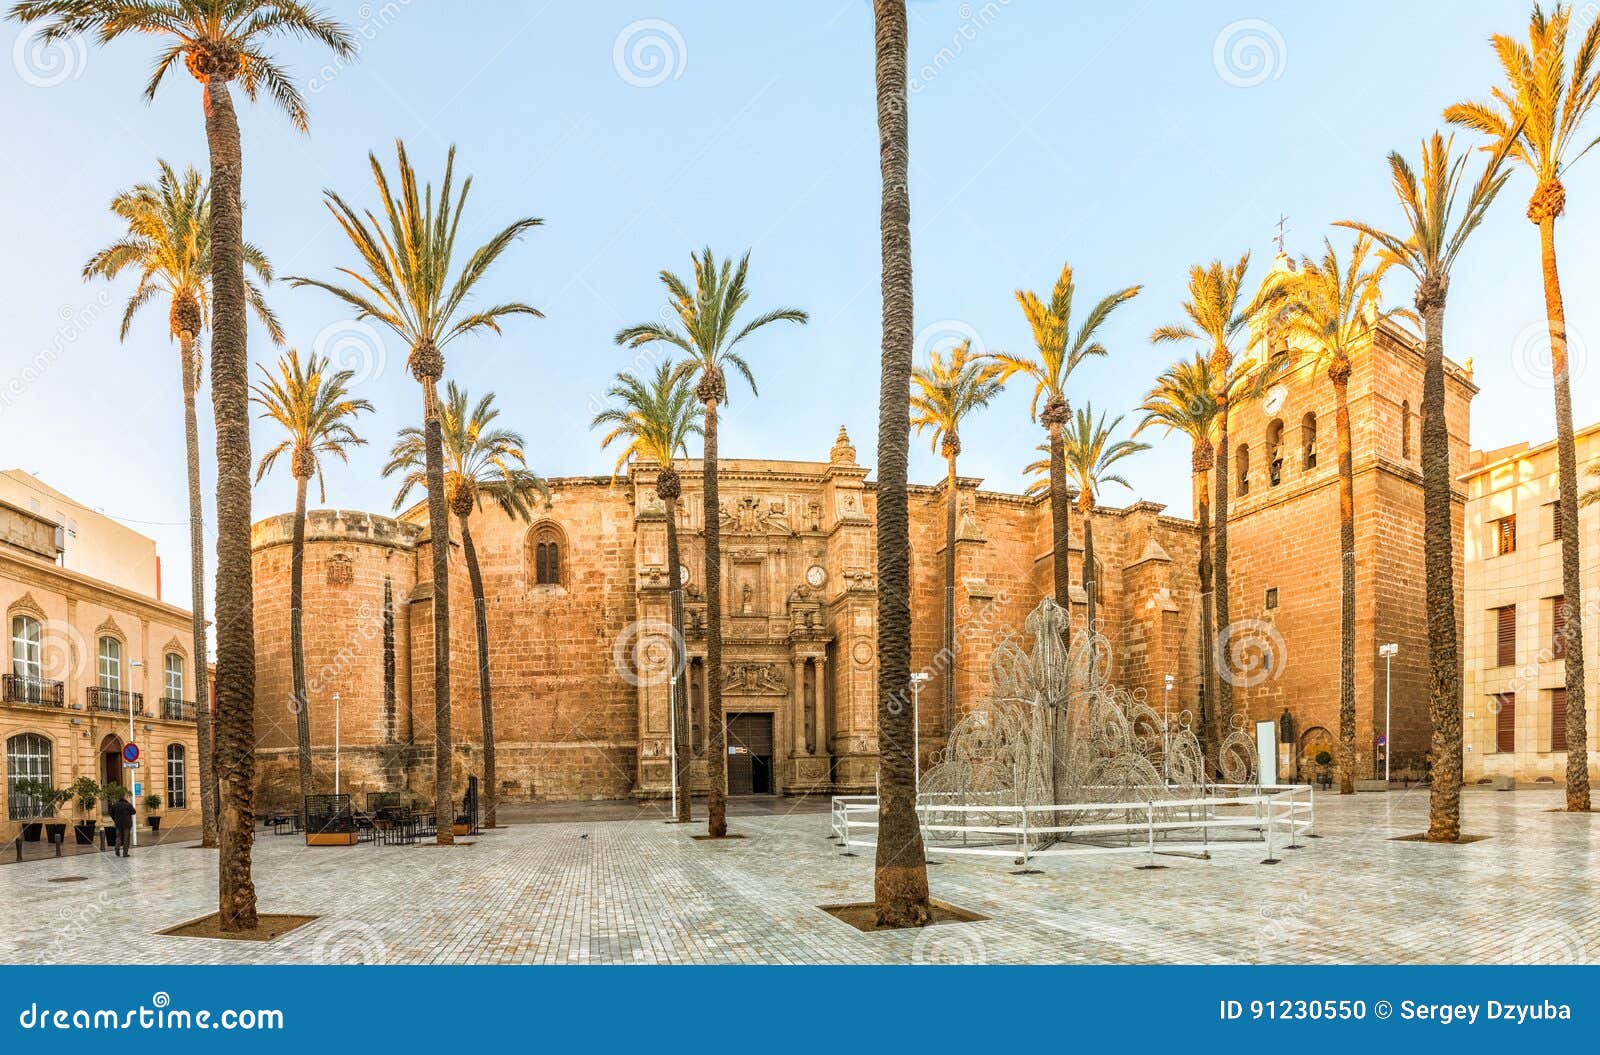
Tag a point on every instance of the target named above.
point(130, 753)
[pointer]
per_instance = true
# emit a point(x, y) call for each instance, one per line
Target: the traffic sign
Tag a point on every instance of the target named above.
point(130, 753)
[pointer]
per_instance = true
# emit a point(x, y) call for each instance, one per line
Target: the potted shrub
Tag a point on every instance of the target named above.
point(110, 793)
point(152, 803)
point(1324, 760)
point(42, 794)
point(85, 791)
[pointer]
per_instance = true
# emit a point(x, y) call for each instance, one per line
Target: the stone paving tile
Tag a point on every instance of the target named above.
point(641, 891)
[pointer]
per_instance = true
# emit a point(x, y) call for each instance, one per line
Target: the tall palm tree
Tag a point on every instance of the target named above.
point(653, 421)
point(1219, 313)
point(1057, 354)
point(943, 393)
point(315, 408)
point(219, 41)
point(1184, 400)
point(1091, 455)
point(168, 243)
point(1331, 310)
point(900, 882)
point(481, 461)
point(706, 334)
point(1436, 232)
point(1536, 117)
point(404, 281)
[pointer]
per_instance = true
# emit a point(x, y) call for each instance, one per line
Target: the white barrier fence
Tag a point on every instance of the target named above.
point(1275, 814)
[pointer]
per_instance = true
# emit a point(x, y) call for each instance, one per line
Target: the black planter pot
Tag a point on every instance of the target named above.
point(56, 833)
point(111, 834)
point(155, 824)
point(83, 833)
point(31, 831)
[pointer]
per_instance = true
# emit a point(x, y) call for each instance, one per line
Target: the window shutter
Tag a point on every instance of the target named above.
point(1505, 723)
point(1506, 636)
point(1558, 627)
point(1558, 719)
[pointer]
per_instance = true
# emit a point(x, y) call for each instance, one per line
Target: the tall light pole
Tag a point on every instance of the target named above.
point(136, 664)
point(1166, 729)
point(336, 743)
point(918, 679)
point(1388, 652)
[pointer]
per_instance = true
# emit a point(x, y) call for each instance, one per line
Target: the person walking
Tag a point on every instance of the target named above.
point(122, 816)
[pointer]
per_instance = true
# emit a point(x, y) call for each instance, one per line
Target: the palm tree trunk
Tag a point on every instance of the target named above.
point(949, 603)
point(1060, 525)
point(234, 592)
point(297, 648)
point(1347, 583)
point(1444, 703)
point(1571, 582)
point(1220, 582)
point(480, 619)
point(1210, 741)
point(680, 667)
point(900, 881)
point(1088, 578)
point(439, 544)
point(716, 730)
point(205, 744)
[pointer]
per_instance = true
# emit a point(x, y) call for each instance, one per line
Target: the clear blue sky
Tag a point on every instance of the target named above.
point(1103, 135)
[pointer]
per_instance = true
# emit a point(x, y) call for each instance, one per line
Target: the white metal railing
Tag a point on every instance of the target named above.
point(1277, 814)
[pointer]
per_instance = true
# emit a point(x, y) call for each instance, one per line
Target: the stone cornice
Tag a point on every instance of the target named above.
point(54, 578)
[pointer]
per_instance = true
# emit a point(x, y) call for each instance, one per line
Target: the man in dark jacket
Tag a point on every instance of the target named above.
point(122, 817)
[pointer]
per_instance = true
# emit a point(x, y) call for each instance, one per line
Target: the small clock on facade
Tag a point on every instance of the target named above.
point(683, 575)
point(816, 576)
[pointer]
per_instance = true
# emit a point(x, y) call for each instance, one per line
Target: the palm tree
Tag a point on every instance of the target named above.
point(1058, 354)
point(219, 41)
point(706, 316)
point(1437, 233)
point(1535, 118)
point(1184, 400)
point(481, 461)
point(168, 242)
point(1091, 456)
point(654, 420)
point(404, 282)
point(1218, 314)
point(317, 411)
point(1332, 311)
point(900, 881)
point(943, 393)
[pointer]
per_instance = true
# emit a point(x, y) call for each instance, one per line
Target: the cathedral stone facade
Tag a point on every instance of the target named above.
point(577, 609)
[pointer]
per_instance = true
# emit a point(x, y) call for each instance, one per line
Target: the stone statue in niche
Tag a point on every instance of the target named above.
point(747, 597)
point(814, 514)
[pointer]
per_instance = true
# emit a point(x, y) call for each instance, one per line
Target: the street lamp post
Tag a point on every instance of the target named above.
point(336, 743)
point(1388, 652)
point(919, 679)
point(136, 664)
point(1166, 729)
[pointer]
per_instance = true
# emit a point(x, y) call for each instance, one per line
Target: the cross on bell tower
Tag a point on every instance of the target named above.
point(1283, 229)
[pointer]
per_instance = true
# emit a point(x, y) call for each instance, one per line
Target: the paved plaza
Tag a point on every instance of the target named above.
point(576, 890)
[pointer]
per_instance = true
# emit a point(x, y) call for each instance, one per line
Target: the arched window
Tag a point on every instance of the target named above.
point(1405, 429)
point(177, 777)
point(108, 664)
point(1241, 461)
point(27, 660)
point(546, 554)
point(1308, 441)
point(1275, 452)
point(28, 758)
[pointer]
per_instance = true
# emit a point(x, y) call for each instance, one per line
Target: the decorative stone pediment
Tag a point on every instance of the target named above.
point(26, 603)
point(174, 645)
point(109, 628)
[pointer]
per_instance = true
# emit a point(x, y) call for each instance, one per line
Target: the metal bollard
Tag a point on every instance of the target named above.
point(1271, 816)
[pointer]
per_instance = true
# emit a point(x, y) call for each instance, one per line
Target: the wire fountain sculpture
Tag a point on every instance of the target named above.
point(1055, 731)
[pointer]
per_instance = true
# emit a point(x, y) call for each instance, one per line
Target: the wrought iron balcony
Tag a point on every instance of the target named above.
point(115, 701)
point(176, 710)
point(41, 692)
